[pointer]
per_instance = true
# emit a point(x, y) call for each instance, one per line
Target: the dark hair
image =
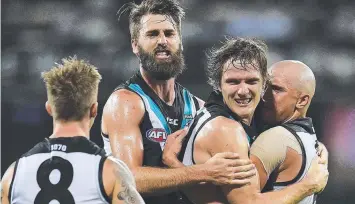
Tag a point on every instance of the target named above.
point(247, 51)
point(168, 8)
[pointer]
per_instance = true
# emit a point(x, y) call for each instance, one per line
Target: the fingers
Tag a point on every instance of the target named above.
point(179, 134)
point(240, 162)
point(227, 155)
point(239, 182)
point(182, 134)
point(244, 175)
point(324, 154)
point(244, 168)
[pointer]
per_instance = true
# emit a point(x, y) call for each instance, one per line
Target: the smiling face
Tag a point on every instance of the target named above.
point(159, 47)
point(241, 88)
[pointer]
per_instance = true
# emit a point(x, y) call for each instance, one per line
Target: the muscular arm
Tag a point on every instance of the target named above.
point(269, 153)
point(5, 184)
point(119, 182)
point(232, 137)
point(122, 115)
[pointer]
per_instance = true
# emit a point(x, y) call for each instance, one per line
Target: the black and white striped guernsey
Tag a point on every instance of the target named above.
point(60, 170)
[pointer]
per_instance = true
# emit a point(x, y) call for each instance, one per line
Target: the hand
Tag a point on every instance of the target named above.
point(317, 176)
point(323, 154)
point(172, 148)
point(227, 168)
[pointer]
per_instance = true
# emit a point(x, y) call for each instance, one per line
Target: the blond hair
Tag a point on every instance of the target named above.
point(72, 88)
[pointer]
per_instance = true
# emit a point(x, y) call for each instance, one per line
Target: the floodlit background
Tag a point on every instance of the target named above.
point(35, 34)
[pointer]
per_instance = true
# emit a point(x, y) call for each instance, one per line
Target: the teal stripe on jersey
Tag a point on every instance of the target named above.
point(155, 108)
point(187, 107)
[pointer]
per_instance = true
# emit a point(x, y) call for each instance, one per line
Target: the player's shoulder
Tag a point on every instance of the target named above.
point(221, 126)
point(222, 123)
point(124, 98)
point(276, 134)
point(125, 94)
point(7, 179)
point(276, 131)
point(41, 147)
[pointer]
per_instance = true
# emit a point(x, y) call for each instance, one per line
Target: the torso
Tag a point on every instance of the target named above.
point(158, 122)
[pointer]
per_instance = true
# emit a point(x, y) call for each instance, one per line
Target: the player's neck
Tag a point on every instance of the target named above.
point(70, 129)
point(296, 115)
point(247, 120)
point(165, 89)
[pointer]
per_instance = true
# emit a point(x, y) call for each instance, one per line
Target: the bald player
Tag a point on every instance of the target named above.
point(283, 153)
point(237, 71)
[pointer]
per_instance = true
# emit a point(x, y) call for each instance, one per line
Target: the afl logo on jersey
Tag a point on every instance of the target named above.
point(156, 135)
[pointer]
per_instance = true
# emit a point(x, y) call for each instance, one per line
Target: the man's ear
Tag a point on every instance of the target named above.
point(303, 101)
point(93, 110)
point(134, 44)
point(48, 108)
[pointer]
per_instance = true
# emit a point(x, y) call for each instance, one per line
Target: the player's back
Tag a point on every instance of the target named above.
point(302, 130)
point(65, 169)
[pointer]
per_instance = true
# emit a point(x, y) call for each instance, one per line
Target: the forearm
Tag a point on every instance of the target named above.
point(289, 195)
point(150, 180)
point(172, 162)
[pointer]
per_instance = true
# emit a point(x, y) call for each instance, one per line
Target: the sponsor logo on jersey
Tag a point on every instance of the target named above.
point(156, 135)
point(172, 121)
point(189, 119)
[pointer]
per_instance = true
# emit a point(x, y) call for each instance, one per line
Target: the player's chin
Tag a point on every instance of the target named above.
point(245, 111)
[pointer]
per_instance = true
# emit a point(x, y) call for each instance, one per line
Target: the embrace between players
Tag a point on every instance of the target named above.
point(168, 146)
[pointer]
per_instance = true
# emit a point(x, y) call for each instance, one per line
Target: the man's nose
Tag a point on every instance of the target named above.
point(162, 39)
point(243, 90)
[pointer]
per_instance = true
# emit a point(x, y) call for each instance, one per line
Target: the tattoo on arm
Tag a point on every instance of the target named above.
point(125, 193)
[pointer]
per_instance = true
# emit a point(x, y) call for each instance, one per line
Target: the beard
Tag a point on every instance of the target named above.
point(163, 70)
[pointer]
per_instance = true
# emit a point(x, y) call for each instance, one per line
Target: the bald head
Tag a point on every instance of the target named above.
point(297, 74)
point(290, 94)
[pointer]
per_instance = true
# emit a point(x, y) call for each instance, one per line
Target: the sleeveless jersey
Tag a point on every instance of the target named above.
point(60, 170)
point(213, 108)
point(303, 131)
point(158, 122)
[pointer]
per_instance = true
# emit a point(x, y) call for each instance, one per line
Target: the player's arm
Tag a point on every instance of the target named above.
point(122, 115)
point(119, 182)
point(232, 137)
point(243, 169)
point(268, 152)
point(5, 184)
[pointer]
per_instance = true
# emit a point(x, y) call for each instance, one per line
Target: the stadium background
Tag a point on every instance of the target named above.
point(321, 33)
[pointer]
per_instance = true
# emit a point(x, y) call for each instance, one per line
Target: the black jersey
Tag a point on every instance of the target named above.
point(159, 121)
